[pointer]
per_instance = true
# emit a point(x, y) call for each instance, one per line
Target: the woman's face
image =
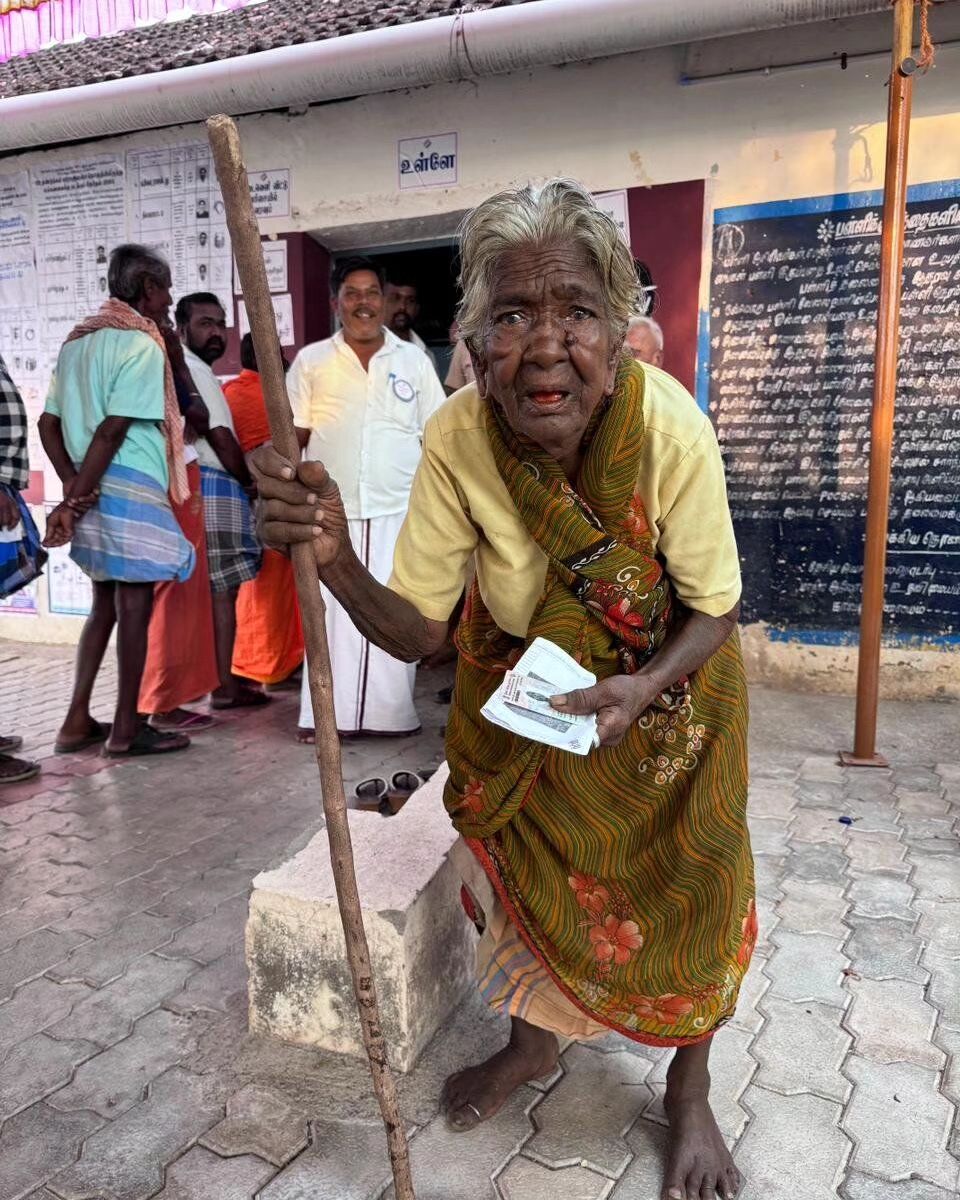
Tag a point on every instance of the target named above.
point(548, 356)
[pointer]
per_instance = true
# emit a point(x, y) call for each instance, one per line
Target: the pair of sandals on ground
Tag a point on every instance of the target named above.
point(163, 733)
point(377, 795)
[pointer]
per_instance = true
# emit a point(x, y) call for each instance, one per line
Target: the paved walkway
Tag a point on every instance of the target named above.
point(125, 1066)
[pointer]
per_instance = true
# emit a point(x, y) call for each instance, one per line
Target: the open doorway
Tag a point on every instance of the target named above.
point(432, 269)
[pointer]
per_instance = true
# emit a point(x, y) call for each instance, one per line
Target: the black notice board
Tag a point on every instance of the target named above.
point(790, 385)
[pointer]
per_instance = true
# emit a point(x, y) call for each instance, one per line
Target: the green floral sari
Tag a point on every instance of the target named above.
point(628, 872)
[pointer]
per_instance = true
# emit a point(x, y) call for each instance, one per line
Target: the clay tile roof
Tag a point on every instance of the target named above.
point(201, 39)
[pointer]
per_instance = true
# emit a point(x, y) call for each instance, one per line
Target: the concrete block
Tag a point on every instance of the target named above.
point(422, 946)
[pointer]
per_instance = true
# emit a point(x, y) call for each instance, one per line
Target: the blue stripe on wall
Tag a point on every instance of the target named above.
point(839, 203)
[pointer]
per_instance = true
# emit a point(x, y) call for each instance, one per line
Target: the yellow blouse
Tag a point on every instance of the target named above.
point(460, 506)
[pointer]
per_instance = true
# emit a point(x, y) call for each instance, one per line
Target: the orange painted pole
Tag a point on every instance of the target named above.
point(884, 390)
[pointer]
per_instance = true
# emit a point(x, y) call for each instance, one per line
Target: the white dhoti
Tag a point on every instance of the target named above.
point(372, 691)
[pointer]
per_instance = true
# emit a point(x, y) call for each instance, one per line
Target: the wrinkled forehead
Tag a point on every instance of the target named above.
point(557, 271)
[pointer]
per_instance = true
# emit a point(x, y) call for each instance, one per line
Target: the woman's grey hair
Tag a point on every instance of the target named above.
point(561, 211)
point(130, 266)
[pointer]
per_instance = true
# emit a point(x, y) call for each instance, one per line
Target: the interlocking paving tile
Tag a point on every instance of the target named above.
point(949, 1042)
point(102, 960)
point(105, 912)
point(35, 1006)
point(771, 800)
point(826, 864)
point(126, 1159)
point(201, 896)
point(818, 826)
point(806, 966)
point(34, 954)
point(212, 936)
point(818, 793)
point(768, 873)
point(944, 986)
point(259, 1121)
point(876, 851)
point(768, 836)
point(102, 876)
point(200, 1175)
point(32, 915)
point(813, 907)
point(116, 1079)
point(882, 896)
point(449, 1164)
point(647, 1143)
point(585, 1118)
point(937, 878)
point(526, 1180)
point(824, 768)
point(800, 1049)
point(755, 984)
point(35, 1067)
point(923, 804)
point(107, 1015)
point(899, 1121)
point(892, 1022)
point(214, 988)
point(731, 1069)
point(917, 778)
point(868, 785)
point(884, 948)
point(345, 1161)
point(793, 1147)
point(865, 1187)
point(37, 1143)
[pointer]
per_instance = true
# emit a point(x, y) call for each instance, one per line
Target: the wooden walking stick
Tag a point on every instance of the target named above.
point(225, 143)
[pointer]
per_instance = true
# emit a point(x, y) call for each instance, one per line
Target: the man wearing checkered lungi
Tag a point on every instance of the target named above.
point(233, 552)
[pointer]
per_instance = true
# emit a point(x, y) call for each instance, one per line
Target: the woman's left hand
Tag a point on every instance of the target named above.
point(617, 701)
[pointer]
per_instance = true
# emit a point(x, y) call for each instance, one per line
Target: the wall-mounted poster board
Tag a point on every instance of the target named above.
point(790, 384)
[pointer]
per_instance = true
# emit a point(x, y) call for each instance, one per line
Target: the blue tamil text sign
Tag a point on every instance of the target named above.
point(428, 161)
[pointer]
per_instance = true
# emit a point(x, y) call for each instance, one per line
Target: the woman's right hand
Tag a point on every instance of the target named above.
point(299, 503)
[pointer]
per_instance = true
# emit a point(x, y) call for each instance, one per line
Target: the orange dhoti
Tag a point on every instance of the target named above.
point(269, 645)
point(181, 654)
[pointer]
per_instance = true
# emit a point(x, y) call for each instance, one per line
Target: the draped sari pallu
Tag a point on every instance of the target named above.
point(628, 872)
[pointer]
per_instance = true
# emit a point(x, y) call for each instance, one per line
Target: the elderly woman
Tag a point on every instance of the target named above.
point(590, 490)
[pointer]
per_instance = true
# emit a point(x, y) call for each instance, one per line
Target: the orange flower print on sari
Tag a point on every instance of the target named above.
point(592, 896)
point(635, 522)
point(750, 931)
point(665, 1010)
point(615, 941)
point(473, 797)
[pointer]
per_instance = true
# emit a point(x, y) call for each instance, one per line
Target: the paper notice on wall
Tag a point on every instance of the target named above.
point(18, 279)
point(270, 192)
point(176, 207)
point(69, 591)
point(78, 217)
point(29, 370)
point(283, 314)
point(614, 204)
point(275, 261)
point(22, 603)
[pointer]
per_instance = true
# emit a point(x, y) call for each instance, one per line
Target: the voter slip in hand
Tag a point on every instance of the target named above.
point(522, 702)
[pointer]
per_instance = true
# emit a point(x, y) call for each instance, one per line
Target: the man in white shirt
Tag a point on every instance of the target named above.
point(233, 552)
point(401, 308)
point(360, 402)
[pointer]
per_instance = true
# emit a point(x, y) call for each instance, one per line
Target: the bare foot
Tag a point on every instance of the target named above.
point(478, 1093)
point(699, 1165)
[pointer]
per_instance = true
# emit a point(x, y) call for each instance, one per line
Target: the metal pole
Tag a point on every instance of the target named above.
point(884, 390)
point(245, 236)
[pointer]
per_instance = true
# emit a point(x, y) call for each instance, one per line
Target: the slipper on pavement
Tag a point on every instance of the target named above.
point(148, 740)
point(94, 738)
point(10, 745)
point(248, 698)
point(370, 792)
point(17, 770)
point(190, 722)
